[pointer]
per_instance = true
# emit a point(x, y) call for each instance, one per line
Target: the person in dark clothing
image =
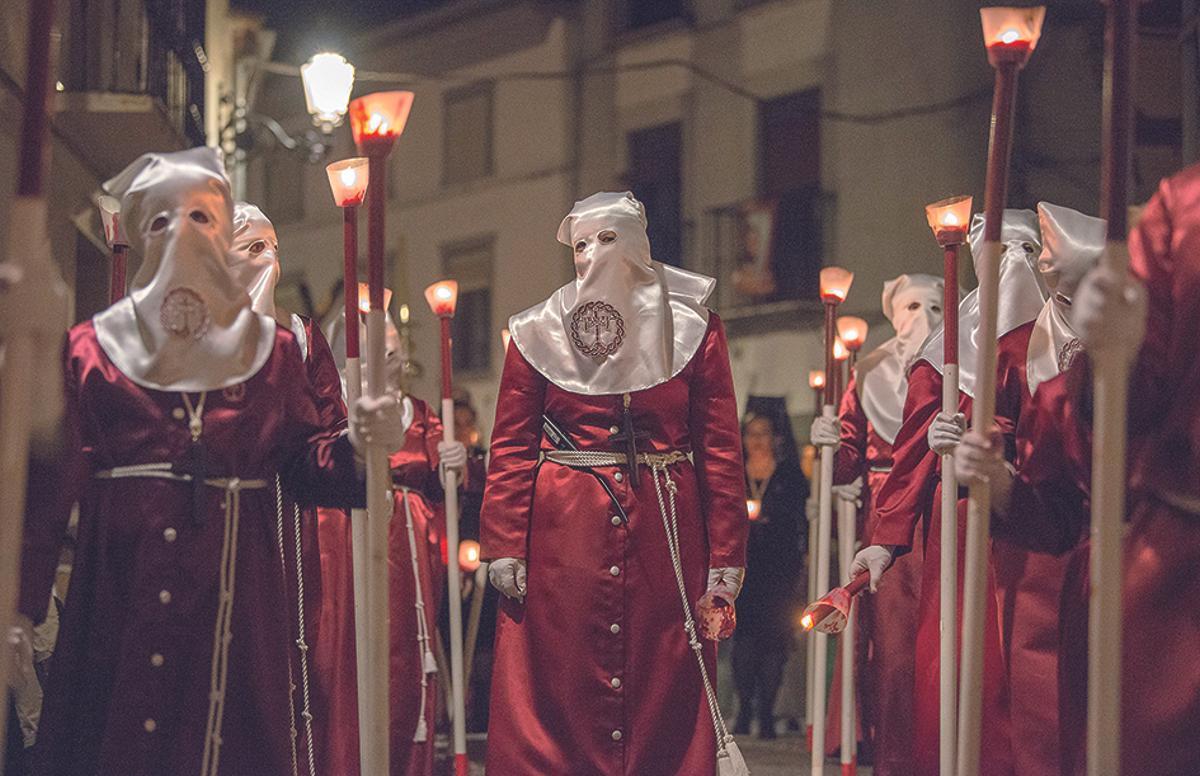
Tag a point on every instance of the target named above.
point(774, 561)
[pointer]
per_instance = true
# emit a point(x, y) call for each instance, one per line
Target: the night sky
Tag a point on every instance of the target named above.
point(306, 26)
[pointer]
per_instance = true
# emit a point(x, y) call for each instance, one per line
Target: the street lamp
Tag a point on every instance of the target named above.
point(948, 220)
point(328, 79)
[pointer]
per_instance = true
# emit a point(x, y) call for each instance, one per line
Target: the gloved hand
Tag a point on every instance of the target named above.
point(726, 582)
point(824, 432)
point(851, 491)
point(812, 508)
point(508, 576)
point(874, 558)
point(377, 421)
point(20, 654)
point(452, 457)
point(979, 460)
point(945, 431)
point(1109, 312)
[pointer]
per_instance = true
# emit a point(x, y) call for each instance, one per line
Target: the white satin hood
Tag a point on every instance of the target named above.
point(254, 260)
point(186, 324)
point(913, 305)
point(1021, 297)
point(627, 322)
point(1072, 244)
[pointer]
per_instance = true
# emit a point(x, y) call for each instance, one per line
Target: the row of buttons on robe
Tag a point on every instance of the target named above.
point(619, 477)
point(615, 628)
point(157, 660)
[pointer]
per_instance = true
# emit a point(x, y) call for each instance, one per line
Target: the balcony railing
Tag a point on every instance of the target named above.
point(767, 253)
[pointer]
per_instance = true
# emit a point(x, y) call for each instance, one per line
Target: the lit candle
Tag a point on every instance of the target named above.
point(754, 509)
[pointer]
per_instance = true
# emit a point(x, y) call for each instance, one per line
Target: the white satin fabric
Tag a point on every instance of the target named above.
point(254, 259)
point(913, 305)
point(1072, 244)
point(186, 325)
point(627, 322)
point(1021, 297)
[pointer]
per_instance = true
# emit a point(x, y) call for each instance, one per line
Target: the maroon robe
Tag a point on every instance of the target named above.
point(414, 473)
point(593, 673)
point(130, 679)
point(331, 409)
point(887, 619)
point(911, 494)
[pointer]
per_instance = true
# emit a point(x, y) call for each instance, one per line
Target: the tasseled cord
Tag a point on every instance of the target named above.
point(730, 761)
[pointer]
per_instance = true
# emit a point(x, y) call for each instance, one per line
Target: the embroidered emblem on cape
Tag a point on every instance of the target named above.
point(184, 314)
point(1067, 355)
point(597, 330)
point(234, 394)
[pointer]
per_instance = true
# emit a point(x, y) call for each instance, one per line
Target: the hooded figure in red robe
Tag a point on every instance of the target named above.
point(604, 534)
point(1152, 320)
point(911, 495)
point(416, 579)
point(871, 413)
point(254, 262)
point(182, 405)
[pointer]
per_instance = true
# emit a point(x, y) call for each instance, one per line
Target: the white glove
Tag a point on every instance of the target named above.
point(979, 460)
point(851, 491)
point(726, 582)
point(508, 576)
point(20, 654)
point(452, 457)
point(1109, 312)
point(874, 558)
point(945, 431)
point(812, 508)
point(377, 421)
point(824, 432)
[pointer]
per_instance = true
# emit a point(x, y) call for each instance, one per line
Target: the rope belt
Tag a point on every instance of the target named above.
point(880, 469)
point(1181, 501)
point(222, 630)
point(590, 459)
point(428, 663)
point(301, 642)
point(659, 464)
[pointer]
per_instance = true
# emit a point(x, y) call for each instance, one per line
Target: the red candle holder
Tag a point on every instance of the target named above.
point(348, 181)
point(1011, 34)
point(378, 119)
point(949, 219)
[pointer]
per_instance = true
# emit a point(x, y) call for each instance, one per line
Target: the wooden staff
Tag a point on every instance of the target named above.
point(816, 381)
point(948, 218)
point(1111, 392)
point(28, 249)
point(377, 120)
point(1011, 35)
point(443, 298)
point(835, 284)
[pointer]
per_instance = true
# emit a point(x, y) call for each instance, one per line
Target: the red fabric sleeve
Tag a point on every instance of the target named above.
point(717, 450)
point(54, 482)
point(325, 380)
point(516, 439)
point(907, 493)
point(1012, 392)
point(1049, 507)
point(851, 458)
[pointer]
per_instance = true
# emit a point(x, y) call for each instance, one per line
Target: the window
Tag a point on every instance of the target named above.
point(790, 181)
point(470, 263)
point(655, 160)
point(285, 186)
point(467, 149)
point(643, 13)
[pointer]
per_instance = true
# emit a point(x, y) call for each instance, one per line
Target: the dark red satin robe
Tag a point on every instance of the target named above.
point(912, 494)
point(327, 387)
point(887, 620)
point(146, 572)
point(593, 673)
point(414, 473)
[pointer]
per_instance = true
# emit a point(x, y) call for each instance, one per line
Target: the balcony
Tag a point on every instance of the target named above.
point(133, 75)
point(766, 255)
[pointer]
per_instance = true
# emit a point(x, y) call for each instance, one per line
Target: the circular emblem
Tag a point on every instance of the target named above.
point(234, 393)
point(184, 314)
point(597, 330)
point(1067, 355)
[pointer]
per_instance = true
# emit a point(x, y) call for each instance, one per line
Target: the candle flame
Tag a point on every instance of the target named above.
point(404, 314)
point(1010, 36)
point(753, 508)
point(949, 219)
point(377, 124)
point(348, 176)
point(468, 555)
point(840, 351)
point(443, 293)
point(816, 379)
point(806, 621)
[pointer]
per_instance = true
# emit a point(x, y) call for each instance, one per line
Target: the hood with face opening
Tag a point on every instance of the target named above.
point(1072, 243)
point(1021, 294)
point(186, 324)
point(627, 322)
point(913, 304)
point(254, 259)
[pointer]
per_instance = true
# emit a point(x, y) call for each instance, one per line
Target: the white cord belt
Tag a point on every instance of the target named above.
point(589, 459)
point(165, 471)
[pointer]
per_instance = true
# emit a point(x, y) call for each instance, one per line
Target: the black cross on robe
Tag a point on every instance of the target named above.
point(628, 437)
